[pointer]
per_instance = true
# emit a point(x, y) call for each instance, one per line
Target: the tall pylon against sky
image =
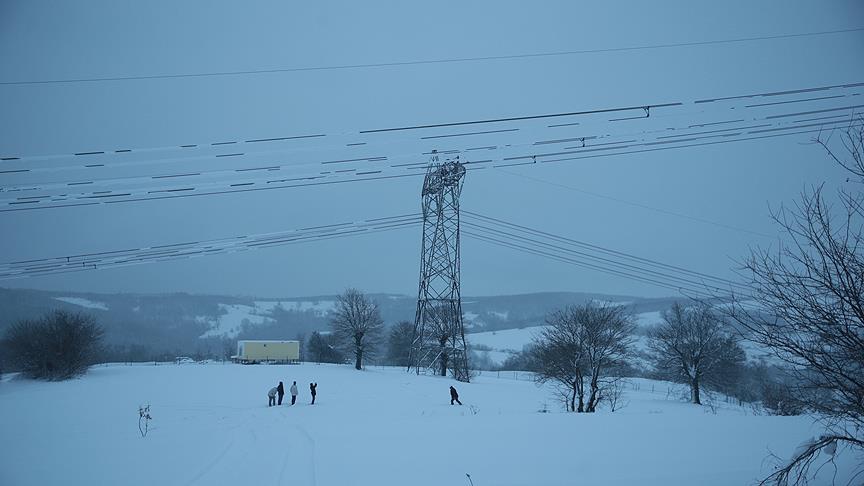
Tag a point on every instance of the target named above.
point(439, 336)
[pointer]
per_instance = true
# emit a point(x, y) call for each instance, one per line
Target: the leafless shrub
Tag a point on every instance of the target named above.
point(615, 394)
point(144, 419)
point(808, 306)
point(57, 346)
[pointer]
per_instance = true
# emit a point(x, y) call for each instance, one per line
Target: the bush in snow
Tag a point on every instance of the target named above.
point(57, 346)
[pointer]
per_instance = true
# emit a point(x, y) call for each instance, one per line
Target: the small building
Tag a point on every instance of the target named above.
point(249, 352)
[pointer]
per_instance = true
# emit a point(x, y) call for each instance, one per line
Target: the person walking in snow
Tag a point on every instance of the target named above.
point(293, 393)
point(281, 391)
point(454, 396)
point(313, 388)
point(272, 396)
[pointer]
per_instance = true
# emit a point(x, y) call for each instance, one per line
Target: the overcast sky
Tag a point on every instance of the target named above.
point(631, 196)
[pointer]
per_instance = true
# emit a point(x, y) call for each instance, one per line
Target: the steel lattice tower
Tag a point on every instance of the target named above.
point(439, 336)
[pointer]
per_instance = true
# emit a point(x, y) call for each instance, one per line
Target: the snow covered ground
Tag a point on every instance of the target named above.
point(649, 319)
point(319, 307)
point(231, 322)
point(235, 316)
point(504, 343)
point(378, 427)
point(506, 340)
point(89, 304)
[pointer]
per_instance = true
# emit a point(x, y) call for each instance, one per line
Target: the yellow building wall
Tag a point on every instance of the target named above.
point(271, 350)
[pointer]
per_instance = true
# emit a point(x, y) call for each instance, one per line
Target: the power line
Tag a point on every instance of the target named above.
point(598, 262)
point(278, 166)
point(579, 263)
point(700, 144)
point(211, 193)
point(623, 271)
point(30, 203)
point(190, 249)
point(432, 61)
point(524, 118)
point(638, 205)
point(592, 247)
point(236, 141)
point(107, 151)
point(679, 280)
point(779, 93)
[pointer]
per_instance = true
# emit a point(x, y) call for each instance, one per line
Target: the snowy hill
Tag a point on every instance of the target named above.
point(499, 345)
point(211, 426)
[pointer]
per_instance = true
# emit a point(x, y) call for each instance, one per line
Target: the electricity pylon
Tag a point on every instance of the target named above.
point(439, 336)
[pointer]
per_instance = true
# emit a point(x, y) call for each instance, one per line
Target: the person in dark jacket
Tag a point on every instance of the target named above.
point(454, 396)
point(280, 390)
point(313, 388)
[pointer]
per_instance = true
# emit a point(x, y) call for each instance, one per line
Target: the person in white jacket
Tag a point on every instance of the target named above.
point(272, 395)
point(293, 393)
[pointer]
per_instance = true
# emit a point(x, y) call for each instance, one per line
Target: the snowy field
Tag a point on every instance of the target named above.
point(211, 426)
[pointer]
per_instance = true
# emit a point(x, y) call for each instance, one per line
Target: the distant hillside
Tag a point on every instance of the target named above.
point(142, 325)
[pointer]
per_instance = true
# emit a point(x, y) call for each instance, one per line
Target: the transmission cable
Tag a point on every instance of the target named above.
point(600, 262)
point(560, 258)
point(638, 205)
point(435, 61)
point(255, 141)
point(508, 226)
point(30, 203)
point(173, 251)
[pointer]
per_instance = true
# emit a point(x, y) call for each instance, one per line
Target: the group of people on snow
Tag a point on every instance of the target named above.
point(279, 391)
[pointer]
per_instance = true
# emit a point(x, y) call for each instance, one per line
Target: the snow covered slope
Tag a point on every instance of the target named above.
point(232, 320)
point(500, 345)
point(82, 302)
point(235, 318)
point(504, 343)
point(211, 426)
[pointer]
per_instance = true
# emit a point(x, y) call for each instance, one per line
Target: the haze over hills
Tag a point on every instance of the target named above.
point(141, 326)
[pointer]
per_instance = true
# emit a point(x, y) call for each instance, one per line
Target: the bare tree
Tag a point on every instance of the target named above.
point(696, 346)
point(442, 332)
point(57, 346)
point(357, 324)
point(807, 305)
point(399, 343)
point(580, 344)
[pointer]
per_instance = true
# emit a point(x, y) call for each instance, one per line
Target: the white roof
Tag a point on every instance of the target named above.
point(265, 341)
